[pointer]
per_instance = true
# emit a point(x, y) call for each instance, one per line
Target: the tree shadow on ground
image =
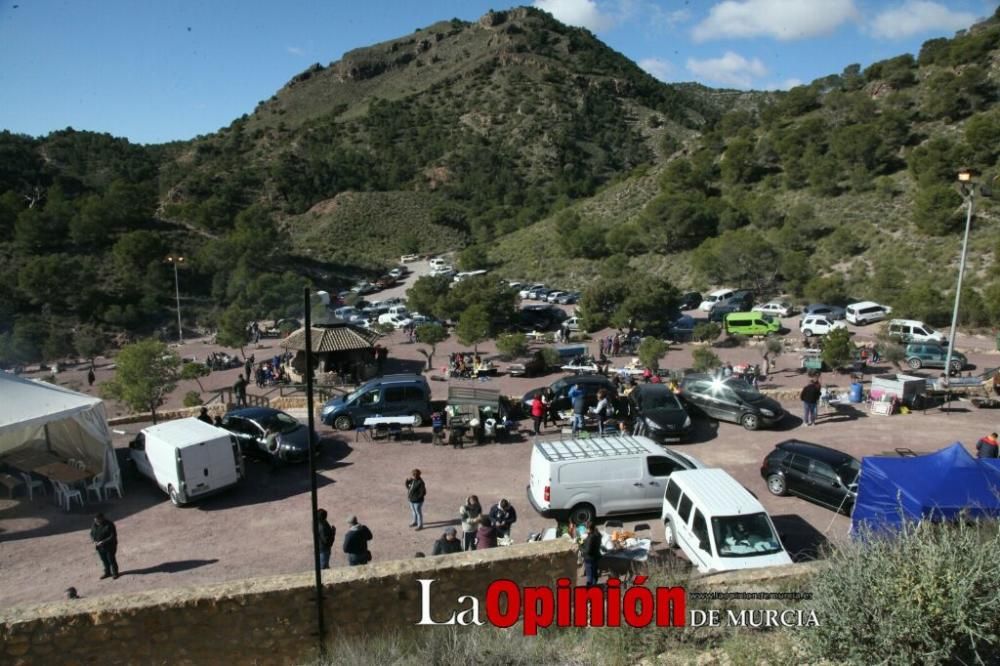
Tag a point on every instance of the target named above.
point(802, 541)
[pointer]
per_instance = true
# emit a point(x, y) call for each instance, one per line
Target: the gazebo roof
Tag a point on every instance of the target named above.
point(344, 337)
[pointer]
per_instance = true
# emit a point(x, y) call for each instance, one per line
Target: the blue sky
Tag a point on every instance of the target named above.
point(161, 70)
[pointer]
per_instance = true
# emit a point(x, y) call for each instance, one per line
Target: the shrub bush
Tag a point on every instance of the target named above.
point(705, 359)
point(192, 399)
point(706, 331)
point(926, 596)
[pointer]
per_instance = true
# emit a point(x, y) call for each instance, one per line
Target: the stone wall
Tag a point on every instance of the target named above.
point(265, 620)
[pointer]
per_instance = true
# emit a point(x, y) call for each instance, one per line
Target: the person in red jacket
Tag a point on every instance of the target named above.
point(988, 447)
point(537, 412)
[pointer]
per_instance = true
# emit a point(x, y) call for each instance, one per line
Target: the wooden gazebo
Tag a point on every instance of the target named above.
point(342, 352)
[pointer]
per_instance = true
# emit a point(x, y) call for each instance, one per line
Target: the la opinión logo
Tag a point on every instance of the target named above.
point(565, 606)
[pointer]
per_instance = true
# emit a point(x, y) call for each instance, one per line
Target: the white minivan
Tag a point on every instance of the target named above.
point(717, 297)
point(866, 312)
point(583, 479)
point(911, 330)
point(718, 524)
point(187, 458)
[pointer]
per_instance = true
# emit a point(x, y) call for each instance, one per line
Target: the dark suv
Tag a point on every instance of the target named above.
point(730, 399)
point(814, 472)
point(590, 384)
point(933, 355)
point(658, 414)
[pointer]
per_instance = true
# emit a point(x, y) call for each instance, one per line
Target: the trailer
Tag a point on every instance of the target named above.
point(907, 389)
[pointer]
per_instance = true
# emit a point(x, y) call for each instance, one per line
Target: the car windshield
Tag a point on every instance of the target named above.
point(848, 472)
point(659, 400)
point(743, 389)
point(742, 536)
point(281, 422)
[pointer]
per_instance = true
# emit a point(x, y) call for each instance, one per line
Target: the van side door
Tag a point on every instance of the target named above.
point(701, 544)
point(137, 452)
point(657, 474)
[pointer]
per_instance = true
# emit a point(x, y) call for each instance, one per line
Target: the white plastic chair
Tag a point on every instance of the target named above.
point(114, 483)
point(96, 486)
point(66, 495)
point(31, 484)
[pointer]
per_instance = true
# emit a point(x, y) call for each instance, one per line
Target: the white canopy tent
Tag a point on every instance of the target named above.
point(67, 424)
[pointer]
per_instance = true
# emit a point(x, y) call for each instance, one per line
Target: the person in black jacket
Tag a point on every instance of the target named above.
point(356, 543)
point(105, 538)
point(810, 399)
point(448, 543)
point(503, 516)
point(415, 492)
point(591, 551)
point(327, 537)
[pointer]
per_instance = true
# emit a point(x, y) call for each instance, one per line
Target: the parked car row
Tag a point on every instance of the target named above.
point(539, 292)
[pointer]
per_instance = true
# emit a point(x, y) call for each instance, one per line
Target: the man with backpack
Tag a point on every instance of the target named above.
point(988, 447)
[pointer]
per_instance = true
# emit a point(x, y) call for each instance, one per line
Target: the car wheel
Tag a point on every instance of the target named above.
point(418, 419)
point(342, 422)
point(956, 368)
point(776, 484)
point(581, 514)
point(669, 540)
point(914, 363)
point(750, 421)
point(807, 333)
point(174, 497)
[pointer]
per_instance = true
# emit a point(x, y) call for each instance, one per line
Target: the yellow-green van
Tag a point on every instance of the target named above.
point(751, 323)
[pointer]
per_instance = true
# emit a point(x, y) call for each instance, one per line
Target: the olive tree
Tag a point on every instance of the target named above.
point(145, 372)
point(430, 335)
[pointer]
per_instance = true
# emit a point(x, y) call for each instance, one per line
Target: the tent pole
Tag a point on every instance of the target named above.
point(48, 442)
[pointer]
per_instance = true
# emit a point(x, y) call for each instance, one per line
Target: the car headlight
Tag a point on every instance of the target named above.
point(327, 409)
point(767, 412)
point(652, 425)
point(687, 422)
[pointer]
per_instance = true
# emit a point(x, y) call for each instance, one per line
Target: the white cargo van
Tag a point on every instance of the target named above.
point(188, 458)
point(911, 330)
point(437, 263)
point(583, 479)
point(718, 524)
point(717, 297)
point(866, 312)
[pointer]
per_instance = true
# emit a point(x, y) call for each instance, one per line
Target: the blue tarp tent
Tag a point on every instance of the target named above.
point(938, 486)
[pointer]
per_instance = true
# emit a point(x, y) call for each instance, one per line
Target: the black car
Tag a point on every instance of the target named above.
point(659, 414)
point(540, 317)
point(814, 472)
point(252, 424)
point(590, 384)
point(569, 298)
point(718, 312)
point(690, 301)
point(730, 399)
point(832, 312)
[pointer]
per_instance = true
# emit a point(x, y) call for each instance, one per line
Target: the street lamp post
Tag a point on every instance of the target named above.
point(174, 259)
point(969, 192)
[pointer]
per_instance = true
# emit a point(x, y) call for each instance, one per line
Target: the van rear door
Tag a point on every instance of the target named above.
point(540, 478)
point(207, 466)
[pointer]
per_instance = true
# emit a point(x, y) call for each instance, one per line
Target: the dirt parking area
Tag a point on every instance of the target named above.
point(262, 527)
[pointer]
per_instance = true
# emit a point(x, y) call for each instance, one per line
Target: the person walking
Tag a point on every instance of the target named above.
point(240, 391)
point(448, 543)
point(91, 377)
point(470, 512)
point(988, 447)
point(105, 538)
point(537, 412)
point(503, 516)
point(486, 535)
point(327, 537)
point(590, 549)
point(578, 399)
point(810, 399)
point(356, 543)
point(416, 490)
point(551, 415)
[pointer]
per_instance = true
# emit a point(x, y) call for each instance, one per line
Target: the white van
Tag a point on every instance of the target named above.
point(583, 479)
point(437, 263)
point(866, 312)
point(718, 524)
point(188, 458)
point(717, 297)
point(911, 330)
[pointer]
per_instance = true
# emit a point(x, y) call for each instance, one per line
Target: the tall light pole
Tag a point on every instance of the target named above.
point(969, 193)
point(175, 259)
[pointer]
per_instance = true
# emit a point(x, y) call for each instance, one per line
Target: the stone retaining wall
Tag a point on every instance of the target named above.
point(266, 620)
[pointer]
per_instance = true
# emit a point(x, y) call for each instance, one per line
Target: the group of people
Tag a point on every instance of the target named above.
point(269, 373)
point(355, 545)
point(466, 365)
point(543, 409)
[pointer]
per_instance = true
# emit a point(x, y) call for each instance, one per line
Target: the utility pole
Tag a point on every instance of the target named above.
point(174, 259)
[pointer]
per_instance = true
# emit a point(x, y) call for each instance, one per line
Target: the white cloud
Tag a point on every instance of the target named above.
point(295, 50)
point(781, 19)
point(661, 69)
point(916, 16)
point(731, 69)
point(583, 13)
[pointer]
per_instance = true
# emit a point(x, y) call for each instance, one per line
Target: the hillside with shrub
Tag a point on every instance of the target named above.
point(535, 150)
